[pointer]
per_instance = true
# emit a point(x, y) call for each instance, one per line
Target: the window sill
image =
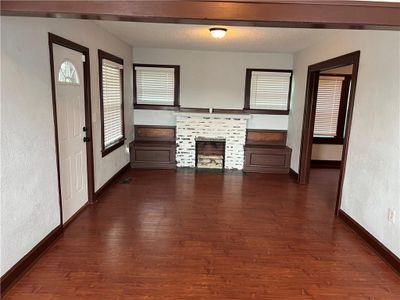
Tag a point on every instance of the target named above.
point(111, 148)
point(326, 140)
point(155, 107)
point(267, 111)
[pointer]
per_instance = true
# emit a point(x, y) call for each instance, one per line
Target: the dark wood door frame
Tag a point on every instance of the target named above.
point(55, 39)
point(272, 13)
point(309, 115)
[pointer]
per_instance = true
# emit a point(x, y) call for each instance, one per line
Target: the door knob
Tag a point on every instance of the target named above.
point(86, 139)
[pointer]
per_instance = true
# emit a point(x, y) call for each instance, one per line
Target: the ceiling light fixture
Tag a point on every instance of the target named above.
point(218, 32)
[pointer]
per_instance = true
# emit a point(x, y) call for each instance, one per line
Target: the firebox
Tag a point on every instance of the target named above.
point(210, 153)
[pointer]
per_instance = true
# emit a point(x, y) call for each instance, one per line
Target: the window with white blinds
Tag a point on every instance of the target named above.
point(269, 90)
point(112, 102)
point(328, 106)
point(155, 85)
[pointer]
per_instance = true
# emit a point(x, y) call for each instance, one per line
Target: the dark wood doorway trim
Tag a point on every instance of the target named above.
point(272, 13)
point(55, 39)
point(309, 116)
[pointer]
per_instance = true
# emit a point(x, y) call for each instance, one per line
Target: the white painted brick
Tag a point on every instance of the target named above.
point(232, 129)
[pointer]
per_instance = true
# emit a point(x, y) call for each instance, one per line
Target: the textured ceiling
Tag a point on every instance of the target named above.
point(197, 37)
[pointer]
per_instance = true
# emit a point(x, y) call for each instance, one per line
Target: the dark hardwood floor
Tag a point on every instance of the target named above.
point(182, 235)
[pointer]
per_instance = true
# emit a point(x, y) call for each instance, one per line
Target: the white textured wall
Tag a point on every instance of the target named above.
point(164, 117)
point(372, 180)
point(212, 79)
point(29, 196)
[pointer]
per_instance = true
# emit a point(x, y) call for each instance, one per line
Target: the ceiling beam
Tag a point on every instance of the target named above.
point(300, 14)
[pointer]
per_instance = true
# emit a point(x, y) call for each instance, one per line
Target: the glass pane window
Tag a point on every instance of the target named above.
point(268, 89)
point(111, 101)
point(67, 73)
point(328, 105)
point(156, 85)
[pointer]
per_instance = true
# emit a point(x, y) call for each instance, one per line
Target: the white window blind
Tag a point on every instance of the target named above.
point(269, 90)
point(328, 104)
point(155, 85)
point(112, 102)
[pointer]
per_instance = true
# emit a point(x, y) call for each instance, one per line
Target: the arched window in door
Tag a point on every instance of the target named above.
point(67, 73)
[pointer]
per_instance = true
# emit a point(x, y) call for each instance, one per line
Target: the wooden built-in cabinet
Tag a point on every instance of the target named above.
point(154, 147)
point(266, 151)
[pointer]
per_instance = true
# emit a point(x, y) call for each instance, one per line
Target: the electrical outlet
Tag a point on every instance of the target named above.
point(392, 215)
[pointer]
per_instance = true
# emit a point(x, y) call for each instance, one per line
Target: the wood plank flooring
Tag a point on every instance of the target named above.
point(182, 235)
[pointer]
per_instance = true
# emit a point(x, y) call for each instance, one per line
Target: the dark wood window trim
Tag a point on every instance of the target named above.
point(104, 55)
point(339, 138)
point(313, 72)
point(247, 93)
point(176, 104)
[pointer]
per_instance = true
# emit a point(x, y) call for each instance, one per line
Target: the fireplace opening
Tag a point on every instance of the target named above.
point(210, 153)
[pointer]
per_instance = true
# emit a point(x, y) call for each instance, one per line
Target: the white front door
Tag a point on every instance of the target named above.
point(70, 102)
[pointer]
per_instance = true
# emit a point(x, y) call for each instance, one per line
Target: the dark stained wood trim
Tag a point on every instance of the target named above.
point(137, 127)
point(197, 109)
point(53, 95)
point(110, 181)
point(153, 154)
point(25, 263)
point(108, 56)
point(387, 255)
point(247, 90)
point(267, 159)
point(266, 111)
point(344, 97)
point(327, 164)
point(229, 111)
point(176, 105)
point(214, 111)
point(281, 142)
point(194, 110)
point(111, 57)
point(339, 138)
point(156, 65)
point(294, 13)
point(75, 215)
point(308, 127)
point(309, 115)
point(293, 174)
point(327, 140)
point(111, 148)
point(155, 107)
point(54, 39)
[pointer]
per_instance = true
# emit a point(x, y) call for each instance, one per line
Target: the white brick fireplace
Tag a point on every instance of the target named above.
point(230, 127)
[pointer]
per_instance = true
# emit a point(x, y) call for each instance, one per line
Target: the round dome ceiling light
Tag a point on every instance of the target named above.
point(218, 32)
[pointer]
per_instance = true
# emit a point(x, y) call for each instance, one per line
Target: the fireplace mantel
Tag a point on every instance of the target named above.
point(212, 115)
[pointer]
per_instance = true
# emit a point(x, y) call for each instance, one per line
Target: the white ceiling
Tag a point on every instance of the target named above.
point(197, 37)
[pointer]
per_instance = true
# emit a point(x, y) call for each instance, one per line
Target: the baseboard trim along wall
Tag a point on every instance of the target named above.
point(379, 248)
point(75, 215)
point(294, 174)
point(98, 193)
point(24, 264)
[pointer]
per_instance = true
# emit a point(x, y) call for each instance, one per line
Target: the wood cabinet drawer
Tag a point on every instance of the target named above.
point(153, 155)
point(267, 159)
